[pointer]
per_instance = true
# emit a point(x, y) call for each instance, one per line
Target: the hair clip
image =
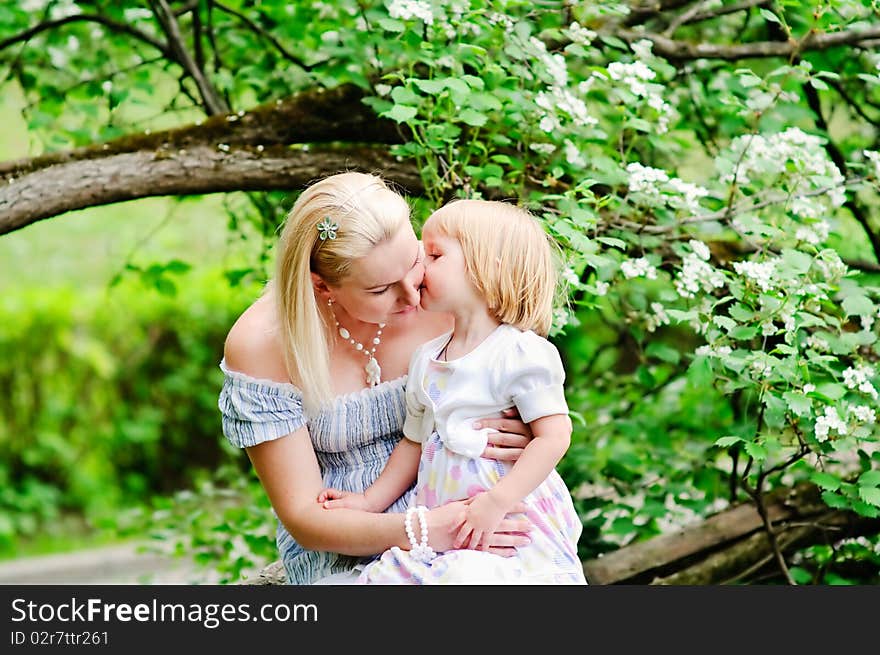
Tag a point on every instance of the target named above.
point(327, 229)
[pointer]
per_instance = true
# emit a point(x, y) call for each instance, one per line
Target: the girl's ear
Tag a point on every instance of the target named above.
point(322, 291)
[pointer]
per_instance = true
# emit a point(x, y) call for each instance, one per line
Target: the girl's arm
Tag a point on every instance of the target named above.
point(398, 475)
point(552, 436)
point(539, 458)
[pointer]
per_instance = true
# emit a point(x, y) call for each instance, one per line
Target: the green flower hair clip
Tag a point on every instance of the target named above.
point(327, 229)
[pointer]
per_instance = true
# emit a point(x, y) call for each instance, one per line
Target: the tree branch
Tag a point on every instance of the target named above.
point(213, 102)
point(696, 16)
point(202, 169)
point(683, 50)
point(123, 28)
point(259, 31)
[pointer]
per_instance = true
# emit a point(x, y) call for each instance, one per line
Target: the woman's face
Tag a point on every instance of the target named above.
point(383, 286)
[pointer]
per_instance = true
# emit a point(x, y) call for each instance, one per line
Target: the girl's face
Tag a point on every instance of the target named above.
point(446, 286)
point(383, 286)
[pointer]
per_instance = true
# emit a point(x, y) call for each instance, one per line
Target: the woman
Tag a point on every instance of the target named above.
point(315, 372)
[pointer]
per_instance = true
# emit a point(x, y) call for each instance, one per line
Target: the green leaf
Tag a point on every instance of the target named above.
point(663, 352)
point(403, 95)
point(866, 509)
point(728, 441)
point(774, 415)
point(431, 87)
point(870, 495)
point(392, 25)
point(741, 313)
point(826, 480)
point(834, 500)
point(796, 262)
point(472, 117)
point(756, 451)
point(457, 88)
point(742, 333)
point(177, 266)
point(870, 479)
point(798, 403)
point(858, 305)
point(612, 242)
point(831, 391)
point(401, 113)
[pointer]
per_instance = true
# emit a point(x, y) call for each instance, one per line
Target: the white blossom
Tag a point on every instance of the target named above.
point(818, 344)
point(874, 157)
point(700, 249)
point(859, 378)
point(410, 9)
point(574, 156)
point(863, 413)
point(640, 267)
point(761, 273)
point(658, 318)
point(827, 422)
point(543, 148)
point(580, 34)
point(696, 275)
point(569, 276)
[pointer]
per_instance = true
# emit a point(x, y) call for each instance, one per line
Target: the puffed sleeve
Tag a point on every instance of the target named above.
point(415, 413)
point(534, 377)
point(413, 424)
point(254, 411)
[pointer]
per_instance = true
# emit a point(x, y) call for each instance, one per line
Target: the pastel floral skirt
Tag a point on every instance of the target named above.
point(550, 558)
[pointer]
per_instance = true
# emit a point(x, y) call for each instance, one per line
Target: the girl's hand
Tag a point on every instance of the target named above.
point(445, 522)
point(482, 518)
point(334, 499)
point(511, 437)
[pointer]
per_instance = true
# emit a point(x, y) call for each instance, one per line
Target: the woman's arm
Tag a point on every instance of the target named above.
point(290, 475)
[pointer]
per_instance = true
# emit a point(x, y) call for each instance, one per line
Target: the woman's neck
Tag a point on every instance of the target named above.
point(470, 330)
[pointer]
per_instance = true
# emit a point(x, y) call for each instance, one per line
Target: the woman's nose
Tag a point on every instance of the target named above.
point(411, 293)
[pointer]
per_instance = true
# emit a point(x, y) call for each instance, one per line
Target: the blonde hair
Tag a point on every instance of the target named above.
point(367, 212)
point(510, 259)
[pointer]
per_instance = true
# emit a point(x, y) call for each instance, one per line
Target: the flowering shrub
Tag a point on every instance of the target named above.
point(705, 212)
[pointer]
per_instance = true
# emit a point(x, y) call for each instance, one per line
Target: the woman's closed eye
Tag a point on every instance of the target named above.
point(380, 291)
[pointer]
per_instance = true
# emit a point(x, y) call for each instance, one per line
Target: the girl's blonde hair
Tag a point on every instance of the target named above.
point(367, 212)
point(510, 259)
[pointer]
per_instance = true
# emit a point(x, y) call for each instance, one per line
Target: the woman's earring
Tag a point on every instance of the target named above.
point(329, 302)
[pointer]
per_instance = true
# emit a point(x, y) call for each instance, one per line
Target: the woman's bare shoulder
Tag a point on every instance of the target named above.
point(252, 346)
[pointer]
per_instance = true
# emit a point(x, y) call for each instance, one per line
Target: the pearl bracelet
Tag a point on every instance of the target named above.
point(419, 550)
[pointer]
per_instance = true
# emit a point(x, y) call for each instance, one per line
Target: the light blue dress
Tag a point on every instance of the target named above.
point(352, 438)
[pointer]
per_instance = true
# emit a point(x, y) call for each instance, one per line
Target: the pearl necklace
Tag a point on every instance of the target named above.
point(372, 369)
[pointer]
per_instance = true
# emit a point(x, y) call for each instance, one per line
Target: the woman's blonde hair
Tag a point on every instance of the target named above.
point(366, 212)
point(510, 259)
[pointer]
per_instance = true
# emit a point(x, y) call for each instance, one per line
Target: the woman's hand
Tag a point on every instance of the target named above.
point(511, 436)
point(445, 523)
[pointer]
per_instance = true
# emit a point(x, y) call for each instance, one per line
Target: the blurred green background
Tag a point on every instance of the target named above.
point(111, 331)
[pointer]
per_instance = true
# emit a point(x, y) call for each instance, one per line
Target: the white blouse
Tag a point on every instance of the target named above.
point(510, 368)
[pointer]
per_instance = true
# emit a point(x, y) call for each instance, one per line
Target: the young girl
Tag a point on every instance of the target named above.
point(490, 265)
